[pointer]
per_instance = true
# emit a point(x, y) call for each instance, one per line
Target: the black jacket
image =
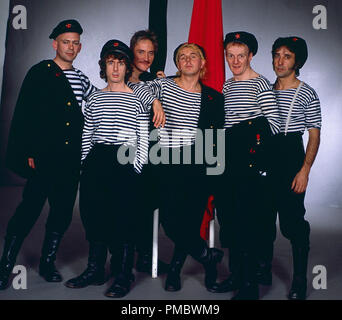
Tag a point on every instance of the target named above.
point(47, 122)
point(212, 109)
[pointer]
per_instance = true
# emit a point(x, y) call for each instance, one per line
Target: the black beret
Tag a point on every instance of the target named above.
point(243, 37)
point(116, 46)
point(296, 45)
point(176, 50)
point(66, 26)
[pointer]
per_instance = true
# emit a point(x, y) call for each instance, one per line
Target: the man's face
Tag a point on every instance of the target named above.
point(190, 62)
point(67, 46)
point(238, 58)
point(115, 70)
point(284, 62)
point(143, 54)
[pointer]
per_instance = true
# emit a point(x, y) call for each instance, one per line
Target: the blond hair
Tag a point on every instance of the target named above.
point(196, 48)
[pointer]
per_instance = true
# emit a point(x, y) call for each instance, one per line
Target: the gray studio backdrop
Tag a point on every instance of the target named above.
point(267, 19)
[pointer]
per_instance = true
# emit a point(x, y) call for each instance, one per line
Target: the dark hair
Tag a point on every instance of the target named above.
point(297, 46)
point(114, 55)
point(296, 65)
point(144, 35)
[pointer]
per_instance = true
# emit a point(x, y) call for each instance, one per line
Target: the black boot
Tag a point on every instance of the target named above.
point(264, 266)
point(300, 265)
point(144, 263)
point(249, 289)
point(173, 281)
point(11, 249)
point(209, 258)
point(47, 268)
point(94, 274)
point(233, 282)
point(122, 283)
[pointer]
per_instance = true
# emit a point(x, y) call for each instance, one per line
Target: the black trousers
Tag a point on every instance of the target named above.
point(55, 181)
point(109, 203)
point(289, 158)
point(242, 197)
point(183, 199)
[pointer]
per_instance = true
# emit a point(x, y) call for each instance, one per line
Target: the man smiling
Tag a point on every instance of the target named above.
point(144, 46)
point(251, 117)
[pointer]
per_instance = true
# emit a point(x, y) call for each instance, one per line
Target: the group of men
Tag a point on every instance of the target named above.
point(266, 169)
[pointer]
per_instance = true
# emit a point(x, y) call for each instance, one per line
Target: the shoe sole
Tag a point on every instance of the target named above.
point(80, 287)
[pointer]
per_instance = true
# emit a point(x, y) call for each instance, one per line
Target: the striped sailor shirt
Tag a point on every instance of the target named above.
point(80, 84)
point(182, 110)
point(306, 112)
point(116, 118)
point(249, 99)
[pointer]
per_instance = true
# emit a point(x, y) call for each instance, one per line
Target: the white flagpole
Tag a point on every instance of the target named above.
point(155, 244)
point(212, 231)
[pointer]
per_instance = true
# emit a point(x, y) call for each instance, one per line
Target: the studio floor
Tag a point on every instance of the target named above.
point(326, 252)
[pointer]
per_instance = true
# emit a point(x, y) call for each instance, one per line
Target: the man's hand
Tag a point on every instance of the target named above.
point(160, 74)
point(300, 181)
point(31, 163)
point(159, 118)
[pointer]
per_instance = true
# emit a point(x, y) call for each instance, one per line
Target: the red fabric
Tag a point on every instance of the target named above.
point(207, 217)
point(207, 31)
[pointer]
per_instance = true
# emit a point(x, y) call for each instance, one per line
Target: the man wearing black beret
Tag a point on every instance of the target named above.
point(115, 117)
point(299, 108)
point(251, 117)
point(45, 147)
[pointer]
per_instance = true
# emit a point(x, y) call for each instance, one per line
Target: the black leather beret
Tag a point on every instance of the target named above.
point(242, 37)
point(296, 45)
point(116, 46)
point(66, 26)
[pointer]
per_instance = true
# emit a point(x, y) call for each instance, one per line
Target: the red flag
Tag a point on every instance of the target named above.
point(206, 30)
point(208, 215)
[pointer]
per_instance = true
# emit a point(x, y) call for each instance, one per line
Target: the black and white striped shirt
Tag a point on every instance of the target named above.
point(142, 91)
point(115, 118)
point(80, 84)
point(182, 109)
point(249, 99)
point(306, 112)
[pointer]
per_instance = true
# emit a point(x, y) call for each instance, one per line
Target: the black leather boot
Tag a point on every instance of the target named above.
point(47, 268)
point(249, 289)
point(233, 282)
point(94, 274)
point(173, 281)
point(209, 258)
point(211, 270)
point(300, 265)
point(122, 282)
point(9, 255)
point(144, 263)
